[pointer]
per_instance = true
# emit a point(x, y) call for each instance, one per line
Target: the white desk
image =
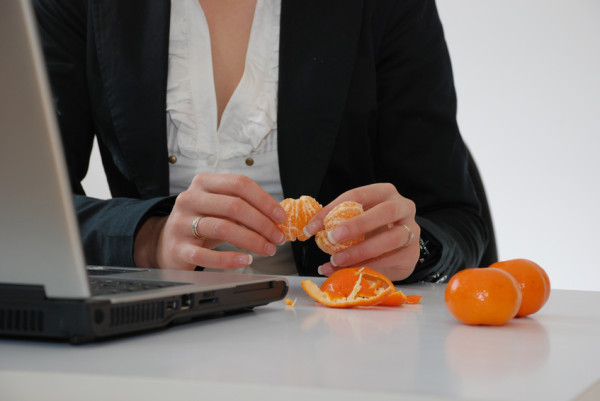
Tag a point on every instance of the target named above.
point(310, 352)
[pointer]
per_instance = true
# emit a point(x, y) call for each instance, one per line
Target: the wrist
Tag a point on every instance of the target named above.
point(146, 242)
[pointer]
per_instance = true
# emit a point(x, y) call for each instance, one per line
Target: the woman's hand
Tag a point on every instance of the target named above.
point(391, 244)
point(229, 208)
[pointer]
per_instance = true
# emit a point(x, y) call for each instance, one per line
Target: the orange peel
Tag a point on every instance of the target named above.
point(357, 286)
point(337, 215)
point(299, 212)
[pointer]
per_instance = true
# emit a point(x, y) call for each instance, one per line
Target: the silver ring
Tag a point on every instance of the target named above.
point(411, 235)
point(195, 226)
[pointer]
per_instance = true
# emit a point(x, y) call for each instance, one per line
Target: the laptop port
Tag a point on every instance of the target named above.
point(186, 301)
point(172, 305)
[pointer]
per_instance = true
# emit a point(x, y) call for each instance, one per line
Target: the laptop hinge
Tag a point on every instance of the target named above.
point(21, 292)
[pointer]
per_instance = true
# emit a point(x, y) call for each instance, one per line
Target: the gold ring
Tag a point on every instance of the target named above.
point(411, 235)
point(195, 226)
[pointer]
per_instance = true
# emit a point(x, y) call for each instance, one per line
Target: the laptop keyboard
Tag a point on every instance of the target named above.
point(105, 286)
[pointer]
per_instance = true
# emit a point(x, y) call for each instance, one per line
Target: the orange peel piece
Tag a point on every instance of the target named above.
point(299, 212)
point(413, 299)
point(291, 303)
point(351, 287)
point(337, 215)
point(395, 299)
point(357, 286)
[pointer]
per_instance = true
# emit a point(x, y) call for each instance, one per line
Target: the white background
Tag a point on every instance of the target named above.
point(527, 74)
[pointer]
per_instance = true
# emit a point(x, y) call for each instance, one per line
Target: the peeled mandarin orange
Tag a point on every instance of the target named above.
point(337, 215)
point(356, 286)
point(298, 212)
point(483, 296)
point(533, 282)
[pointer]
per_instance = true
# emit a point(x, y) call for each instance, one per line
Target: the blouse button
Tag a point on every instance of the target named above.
point(249, 161)
point(172, 159)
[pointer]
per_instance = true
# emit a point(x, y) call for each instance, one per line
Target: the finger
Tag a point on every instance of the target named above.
point(198, 256)
point(369, 195)
point(395, 238)
point(315, 224)
point(238, 210)
point(396, 265)
point(383, 214)
point(222, 229)
point(243, 187)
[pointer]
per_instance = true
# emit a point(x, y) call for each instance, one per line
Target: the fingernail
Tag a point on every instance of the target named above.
point(311, 229)
point(336, 234)
point(270, 249)
point(325, 270)
point(280, 238)
point(338, 259)
point(280, 215)
point(244, 259)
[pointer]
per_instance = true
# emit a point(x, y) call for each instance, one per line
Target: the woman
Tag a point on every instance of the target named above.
point(209, 113)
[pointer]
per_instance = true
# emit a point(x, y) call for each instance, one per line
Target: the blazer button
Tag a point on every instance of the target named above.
point(172, 159)
point(249, 161)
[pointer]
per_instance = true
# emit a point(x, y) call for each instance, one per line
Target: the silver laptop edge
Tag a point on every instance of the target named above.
point(49, 223)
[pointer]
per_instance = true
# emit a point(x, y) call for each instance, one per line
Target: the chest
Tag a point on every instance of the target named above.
point(229, 23)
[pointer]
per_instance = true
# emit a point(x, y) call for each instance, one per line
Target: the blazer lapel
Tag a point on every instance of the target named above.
point(132, 40)
point(318, 43)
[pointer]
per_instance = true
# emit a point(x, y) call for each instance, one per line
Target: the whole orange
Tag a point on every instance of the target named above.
point(533, 282)
point(483, 296)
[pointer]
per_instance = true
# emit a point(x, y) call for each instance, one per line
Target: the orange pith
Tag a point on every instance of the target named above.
point(533, 283)
point(299, 212)
point(357, 286)
point(337, 215)
point(485, 296)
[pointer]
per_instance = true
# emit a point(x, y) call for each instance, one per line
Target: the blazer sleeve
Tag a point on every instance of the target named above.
point(418, 143)
point(107, 227)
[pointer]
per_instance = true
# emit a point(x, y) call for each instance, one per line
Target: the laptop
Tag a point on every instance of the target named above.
point(46, 289)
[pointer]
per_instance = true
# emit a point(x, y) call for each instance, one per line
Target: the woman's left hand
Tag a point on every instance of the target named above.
point(391, 244)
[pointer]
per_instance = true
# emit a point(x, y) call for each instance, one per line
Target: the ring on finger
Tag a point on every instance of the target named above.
point(411, 235)
point(195, 228)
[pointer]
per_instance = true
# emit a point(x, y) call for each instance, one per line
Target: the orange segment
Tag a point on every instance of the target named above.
point(340, 213)
point(298, 212)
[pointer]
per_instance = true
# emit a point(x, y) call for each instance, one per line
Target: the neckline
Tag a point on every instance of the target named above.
point(234, 98)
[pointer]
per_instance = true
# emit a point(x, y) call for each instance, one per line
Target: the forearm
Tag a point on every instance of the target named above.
point(109, 227)
point(146, 242)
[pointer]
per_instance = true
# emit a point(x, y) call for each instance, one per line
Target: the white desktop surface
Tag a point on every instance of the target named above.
point(311, 352)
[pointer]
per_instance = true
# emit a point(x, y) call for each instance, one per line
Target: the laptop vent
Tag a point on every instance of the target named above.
point(21, 320)
point(137, 313)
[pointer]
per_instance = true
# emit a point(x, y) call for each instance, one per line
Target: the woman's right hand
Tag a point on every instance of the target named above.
point(233, 209)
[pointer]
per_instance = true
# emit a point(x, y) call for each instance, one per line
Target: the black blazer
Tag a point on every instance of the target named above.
point(365, 95)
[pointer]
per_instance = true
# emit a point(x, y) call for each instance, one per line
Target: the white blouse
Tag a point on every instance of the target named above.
point(245, 142)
